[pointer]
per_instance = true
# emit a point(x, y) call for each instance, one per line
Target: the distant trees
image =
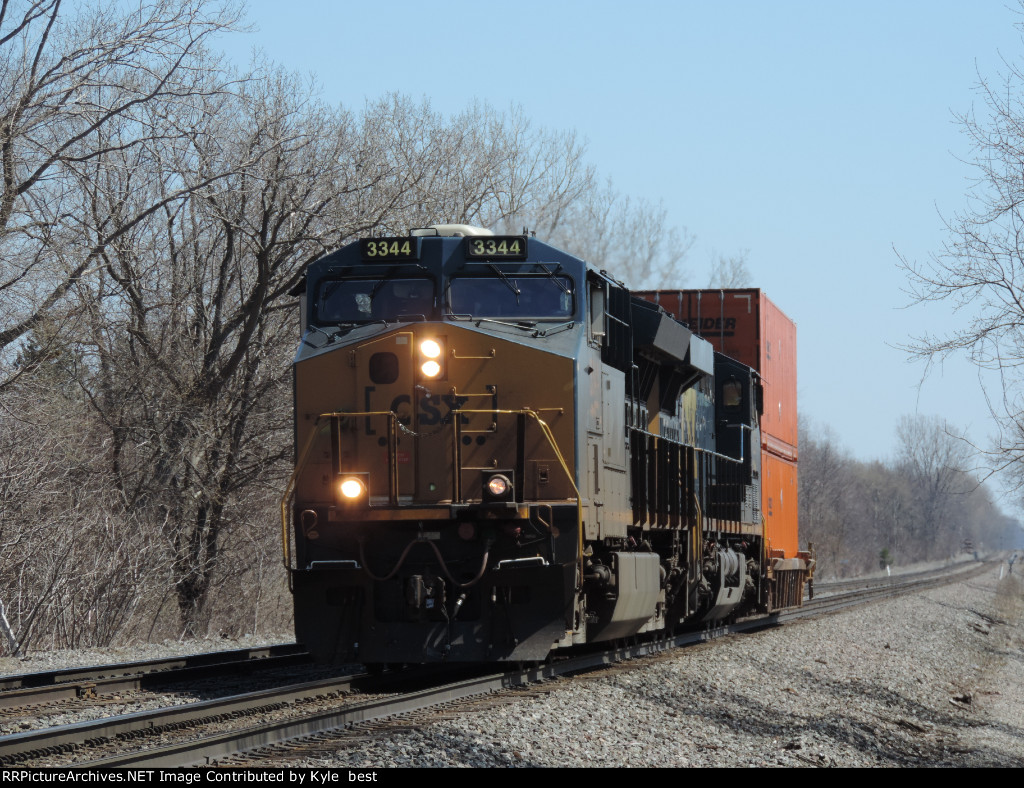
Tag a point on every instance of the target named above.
point(825, 487)
point(918, 507)
point(936, 463)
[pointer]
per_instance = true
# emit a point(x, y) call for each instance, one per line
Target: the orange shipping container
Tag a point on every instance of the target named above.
point(779, 492)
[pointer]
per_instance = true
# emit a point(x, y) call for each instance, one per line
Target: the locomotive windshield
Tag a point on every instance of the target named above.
point(511, 296)
point(341, 301)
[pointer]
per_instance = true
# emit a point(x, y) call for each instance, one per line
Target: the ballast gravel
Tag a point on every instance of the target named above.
point(41, 661)
point(931, 679)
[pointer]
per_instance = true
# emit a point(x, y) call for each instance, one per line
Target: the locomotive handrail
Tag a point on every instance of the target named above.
point(550, 437)
point(289, 489)
point(393, 419)
point(700, 449)
point(741, 428)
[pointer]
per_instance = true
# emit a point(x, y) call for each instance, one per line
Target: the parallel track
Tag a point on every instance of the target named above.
point(317, 707)
point(860, 583)
point(31, 689)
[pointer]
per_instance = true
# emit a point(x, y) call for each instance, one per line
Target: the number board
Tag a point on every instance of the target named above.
point(497, 247)
point(389, 249)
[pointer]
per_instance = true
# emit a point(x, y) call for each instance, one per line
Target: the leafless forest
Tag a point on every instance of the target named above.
point(158, 205)
point(926, 504)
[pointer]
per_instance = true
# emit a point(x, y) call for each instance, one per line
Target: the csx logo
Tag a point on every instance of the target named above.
point(431, 410)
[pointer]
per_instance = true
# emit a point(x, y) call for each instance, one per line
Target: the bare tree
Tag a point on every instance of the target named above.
point(879, 517)
point(980, 269)
point(628, 237)
point(825, 481)
point(729, 272)
point(189, 335)
point(69, 79)
point(482, 166)
point(936, 461)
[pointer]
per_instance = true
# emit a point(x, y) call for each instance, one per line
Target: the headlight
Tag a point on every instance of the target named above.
point(430, 348)
point(352, 489)
point(498, 487)
point(431, 358)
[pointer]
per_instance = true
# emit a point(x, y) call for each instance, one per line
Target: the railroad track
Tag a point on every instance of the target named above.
point(33, 689)
point(261, 728)
point(856, 584)
point(834, 597)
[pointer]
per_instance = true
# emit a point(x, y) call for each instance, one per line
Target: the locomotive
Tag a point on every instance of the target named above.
point(502, 452)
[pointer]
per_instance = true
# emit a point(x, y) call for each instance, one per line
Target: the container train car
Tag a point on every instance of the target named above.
point(501, 452)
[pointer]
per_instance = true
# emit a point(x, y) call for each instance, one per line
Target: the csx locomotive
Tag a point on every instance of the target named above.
point(500, 452)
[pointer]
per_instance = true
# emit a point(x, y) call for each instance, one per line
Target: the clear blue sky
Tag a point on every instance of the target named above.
point(818, 136)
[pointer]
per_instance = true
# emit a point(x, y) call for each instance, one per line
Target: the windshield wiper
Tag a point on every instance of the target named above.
point(552, 275)
point(508, 282)
point(527, 325)
point(330, 337)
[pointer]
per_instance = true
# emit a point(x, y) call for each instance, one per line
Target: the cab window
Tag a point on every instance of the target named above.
point(349, 301)
point(511, 296)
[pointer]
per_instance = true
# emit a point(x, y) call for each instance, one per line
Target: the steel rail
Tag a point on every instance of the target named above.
point(909, 584)
point(835, 586)
point(141, 677)
point(15, 747)
point(93, 672)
